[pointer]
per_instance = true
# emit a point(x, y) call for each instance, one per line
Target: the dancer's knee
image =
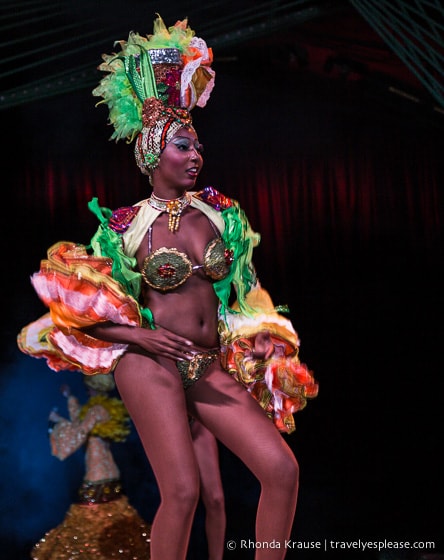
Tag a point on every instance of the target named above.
point(285, 472)
point(214, 501)
point(184, 496)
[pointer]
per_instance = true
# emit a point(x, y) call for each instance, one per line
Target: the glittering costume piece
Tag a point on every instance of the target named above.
point(97, 532)
point(166, 268)
point(173, 207)
point(99, 492)
point(101, 524)
point(192, 370)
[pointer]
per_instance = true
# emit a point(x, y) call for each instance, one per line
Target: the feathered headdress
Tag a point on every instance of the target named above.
point(152, 85)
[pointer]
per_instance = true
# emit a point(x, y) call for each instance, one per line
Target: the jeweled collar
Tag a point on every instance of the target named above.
point(173, 207)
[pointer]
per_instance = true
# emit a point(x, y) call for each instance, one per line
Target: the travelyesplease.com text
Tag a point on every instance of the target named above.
point(330, 544)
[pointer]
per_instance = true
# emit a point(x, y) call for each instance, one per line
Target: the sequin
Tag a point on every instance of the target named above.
point(192, 370)
point(214, 198)
point(97, 532)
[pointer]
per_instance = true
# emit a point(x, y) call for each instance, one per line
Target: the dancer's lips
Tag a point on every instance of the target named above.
point(194, 171)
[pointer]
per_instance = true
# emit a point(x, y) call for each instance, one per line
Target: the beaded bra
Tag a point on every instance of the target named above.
point(167, 268)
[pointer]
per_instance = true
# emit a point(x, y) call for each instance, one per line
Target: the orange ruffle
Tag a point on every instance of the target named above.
point(281, 384)
point(79, 291)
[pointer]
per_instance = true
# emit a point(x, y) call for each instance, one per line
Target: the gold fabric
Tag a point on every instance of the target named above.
point(192, 370)
point(97, 532)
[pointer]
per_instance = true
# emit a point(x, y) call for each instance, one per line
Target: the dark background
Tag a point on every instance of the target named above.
point(364, 287)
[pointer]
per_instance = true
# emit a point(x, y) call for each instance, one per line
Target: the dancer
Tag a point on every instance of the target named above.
point(152, 299)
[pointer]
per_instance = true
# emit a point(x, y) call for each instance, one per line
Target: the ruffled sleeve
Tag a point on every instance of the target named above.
point(280, 383)
point(79, 291)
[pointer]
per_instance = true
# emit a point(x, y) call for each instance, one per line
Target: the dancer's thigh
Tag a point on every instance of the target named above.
point(238, 421)
point(154, 397)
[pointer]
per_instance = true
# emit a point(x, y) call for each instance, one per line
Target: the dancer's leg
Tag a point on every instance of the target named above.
point(211, 489)
point(238, 421)
point(154, 397)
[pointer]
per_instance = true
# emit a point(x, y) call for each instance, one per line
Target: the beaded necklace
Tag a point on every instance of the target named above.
point(173, 208)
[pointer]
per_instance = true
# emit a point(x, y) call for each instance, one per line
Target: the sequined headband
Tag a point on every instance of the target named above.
point(159, 127)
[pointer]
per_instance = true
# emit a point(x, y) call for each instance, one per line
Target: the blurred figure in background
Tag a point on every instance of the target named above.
point(101, 524)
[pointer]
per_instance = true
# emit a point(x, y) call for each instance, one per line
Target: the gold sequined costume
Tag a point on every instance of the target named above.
point(97, 532)
point(101, 525)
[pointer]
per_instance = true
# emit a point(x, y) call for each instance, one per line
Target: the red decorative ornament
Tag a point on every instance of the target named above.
point(166, 270)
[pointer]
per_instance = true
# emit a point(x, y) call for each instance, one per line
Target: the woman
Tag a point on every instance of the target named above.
point(167, 269)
